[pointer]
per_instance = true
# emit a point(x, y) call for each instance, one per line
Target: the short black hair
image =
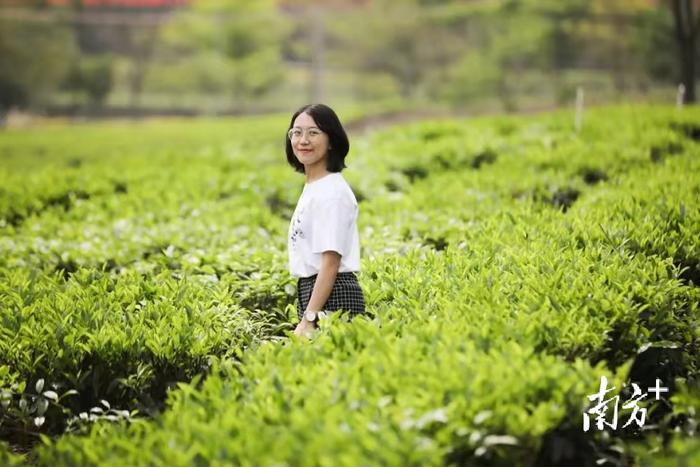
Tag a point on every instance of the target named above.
point(328, 122)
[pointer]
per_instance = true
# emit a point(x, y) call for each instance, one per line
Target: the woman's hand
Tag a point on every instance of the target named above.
point(304, 328)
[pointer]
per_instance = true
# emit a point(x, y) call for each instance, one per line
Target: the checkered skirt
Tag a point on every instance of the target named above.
point(345, 295)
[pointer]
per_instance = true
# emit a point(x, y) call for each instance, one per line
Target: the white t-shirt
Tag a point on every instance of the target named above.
point(325, 219)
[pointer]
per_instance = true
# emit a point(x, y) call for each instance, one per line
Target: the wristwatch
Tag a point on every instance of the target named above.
point(311, 315)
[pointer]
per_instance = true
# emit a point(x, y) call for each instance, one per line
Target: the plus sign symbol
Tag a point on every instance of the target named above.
point(658, 389)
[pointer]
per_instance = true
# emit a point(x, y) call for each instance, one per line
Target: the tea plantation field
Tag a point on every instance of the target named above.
point(508, 264)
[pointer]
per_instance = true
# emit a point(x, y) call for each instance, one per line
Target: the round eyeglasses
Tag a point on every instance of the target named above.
point(297, 133)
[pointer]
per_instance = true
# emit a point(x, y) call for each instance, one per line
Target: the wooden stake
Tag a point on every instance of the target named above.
point(680, 96)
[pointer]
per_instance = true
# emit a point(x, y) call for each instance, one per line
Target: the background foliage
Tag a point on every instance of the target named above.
point(241, 56)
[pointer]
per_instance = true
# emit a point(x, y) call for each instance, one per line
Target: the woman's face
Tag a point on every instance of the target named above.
point(311, 145)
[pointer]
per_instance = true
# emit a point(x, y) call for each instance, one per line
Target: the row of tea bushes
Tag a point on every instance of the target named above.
point(56, 166)
point(610, 222)
point(124, 338)
point(368, 393)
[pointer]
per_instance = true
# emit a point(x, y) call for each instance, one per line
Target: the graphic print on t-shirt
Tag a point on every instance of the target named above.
point(296, 227)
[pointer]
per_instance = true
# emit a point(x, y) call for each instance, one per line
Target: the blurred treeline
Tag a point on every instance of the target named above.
point(215, 56)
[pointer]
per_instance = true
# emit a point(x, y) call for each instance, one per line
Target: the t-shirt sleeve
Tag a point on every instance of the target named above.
point(332, 220)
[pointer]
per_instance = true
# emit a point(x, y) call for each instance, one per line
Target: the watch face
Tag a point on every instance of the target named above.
point(310, 315)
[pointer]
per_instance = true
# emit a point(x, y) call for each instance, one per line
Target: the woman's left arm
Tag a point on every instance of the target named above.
point(330, 264)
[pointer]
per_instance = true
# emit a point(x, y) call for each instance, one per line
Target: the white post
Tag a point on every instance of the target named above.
point(680, 96)
point(579, 108)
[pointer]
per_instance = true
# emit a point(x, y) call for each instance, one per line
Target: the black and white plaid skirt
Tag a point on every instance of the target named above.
point(346, 294)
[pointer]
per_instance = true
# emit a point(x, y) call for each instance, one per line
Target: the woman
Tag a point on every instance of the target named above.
point(323, 241)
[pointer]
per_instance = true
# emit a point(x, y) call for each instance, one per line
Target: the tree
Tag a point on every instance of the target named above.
point(230, 46)
point(91, 75)
point(402, 39)
point(34, 58)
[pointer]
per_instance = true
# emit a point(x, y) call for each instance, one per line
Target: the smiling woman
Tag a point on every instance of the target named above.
point(323, 239)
